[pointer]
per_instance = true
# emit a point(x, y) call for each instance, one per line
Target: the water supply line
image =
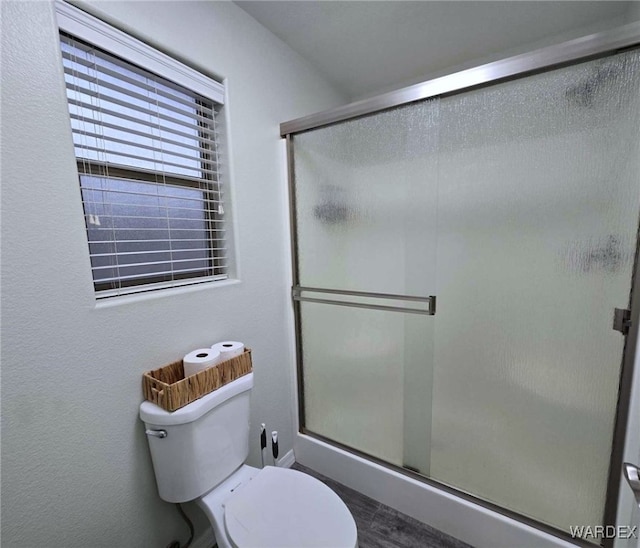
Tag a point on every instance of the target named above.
point(176, 543)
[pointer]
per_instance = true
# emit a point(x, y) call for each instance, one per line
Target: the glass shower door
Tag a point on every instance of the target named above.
point(537, 223)
point(517, 206)
point(365, 201)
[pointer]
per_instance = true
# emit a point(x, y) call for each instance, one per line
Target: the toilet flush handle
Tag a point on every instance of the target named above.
point(156, 433)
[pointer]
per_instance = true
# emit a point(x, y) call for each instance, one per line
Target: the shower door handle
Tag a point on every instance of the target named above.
point(427, 304)
point(632, 473)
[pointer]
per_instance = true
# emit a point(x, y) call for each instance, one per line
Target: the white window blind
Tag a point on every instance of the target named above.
point(148, 164)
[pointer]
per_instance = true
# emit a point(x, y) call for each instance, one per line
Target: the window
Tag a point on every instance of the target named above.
point(147, 153)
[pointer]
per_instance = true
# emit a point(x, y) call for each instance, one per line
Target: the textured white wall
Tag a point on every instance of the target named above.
point(75, 464)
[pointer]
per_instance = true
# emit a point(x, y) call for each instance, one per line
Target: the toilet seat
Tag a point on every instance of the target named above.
point(282, 508)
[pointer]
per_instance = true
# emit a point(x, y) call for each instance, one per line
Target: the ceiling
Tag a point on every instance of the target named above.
point(365, 47)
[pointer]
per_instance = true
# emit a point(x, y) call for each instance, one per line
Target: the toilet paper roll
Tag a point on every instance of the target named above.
point(228, 349)
point(200, 359)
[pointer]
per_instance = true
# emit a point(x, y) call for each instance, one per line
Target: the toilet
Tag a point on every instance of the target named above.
point(198, 454)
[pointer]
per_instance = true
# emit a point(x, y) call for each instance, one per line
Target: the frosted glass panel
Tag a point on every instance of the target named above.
point(366, 199)
point(537, 218)
point(354, 375)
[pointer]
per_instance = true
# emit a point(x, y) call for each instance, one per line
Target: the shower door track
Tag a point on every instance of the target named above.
point(566, 53)
point(541, 60)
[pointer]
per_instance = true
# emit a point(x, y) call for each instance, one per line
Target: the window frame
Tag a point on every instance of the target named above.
point(95, 32)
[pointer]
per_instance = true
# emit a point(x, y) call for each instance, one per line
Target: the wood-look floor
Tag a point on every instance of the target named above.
point(382, 527)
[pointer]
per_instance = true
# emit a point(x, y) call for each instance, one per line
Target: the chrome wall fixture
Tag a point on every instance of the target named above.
point(567, 53)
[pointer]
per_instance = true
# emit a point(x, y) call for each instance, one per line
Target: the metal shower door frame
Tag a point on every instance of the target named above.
point(542, 60)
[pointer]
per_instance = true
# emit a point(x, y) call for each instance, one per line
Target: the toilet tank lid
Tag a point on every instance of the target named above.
point(152, 414)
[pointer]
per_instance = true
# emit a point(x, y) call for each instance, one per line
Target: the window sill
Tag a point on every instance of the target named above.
point(162, 293)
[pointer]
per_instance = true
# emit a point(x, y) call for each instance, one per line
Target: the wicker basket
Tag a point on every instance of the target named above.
point(168, 388)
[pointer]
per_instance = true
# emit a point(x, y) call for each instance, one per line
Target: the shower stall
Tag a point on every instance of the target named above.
point(464, 253)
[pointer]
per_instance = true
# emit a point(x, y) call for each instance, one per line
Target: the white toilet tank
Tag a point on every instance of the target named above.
point(206, 441)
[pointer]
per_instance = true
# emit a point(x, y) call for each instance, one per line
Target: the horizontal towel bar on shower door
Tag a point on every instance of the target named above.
point(430, 301)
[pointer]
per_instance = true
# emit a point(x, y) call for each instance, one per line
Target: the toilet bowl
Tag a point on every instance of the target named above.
point(198, 454)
